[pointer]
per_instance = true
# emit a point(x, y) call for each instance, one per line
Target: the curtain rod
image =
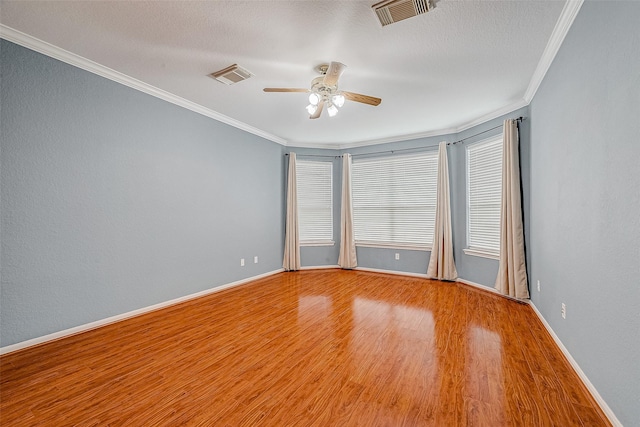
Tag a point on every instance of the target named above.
point(316, 155)
point(519, 119)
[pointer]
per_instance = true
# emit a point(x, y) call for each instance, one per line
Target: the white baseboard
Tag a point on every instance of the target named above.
point(103, 322)
point(585, 380)
point(488, 289)
point(396, 272)
point(319, 267)
point(603, 405)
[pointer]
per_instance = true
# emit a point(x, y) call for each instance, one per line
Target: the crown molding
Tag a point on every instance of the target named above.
point(70, 58)
point(492, 115)
point(565, 20)
point(567, 16)
point(398, 138)
point(407, 137)
point(317, 145)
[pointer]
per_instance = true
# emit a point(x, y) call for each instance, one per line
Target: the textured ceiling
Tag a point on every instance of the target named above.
point(435, 72)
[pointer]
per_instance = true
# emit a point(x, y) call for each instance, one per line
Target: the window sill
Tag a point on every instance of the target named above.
point(319, 243)
point(400, 247)
point(480, 253)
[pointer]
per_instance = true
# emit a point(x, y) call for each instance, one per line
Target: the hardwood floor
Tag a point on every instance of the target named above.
point(312, 348)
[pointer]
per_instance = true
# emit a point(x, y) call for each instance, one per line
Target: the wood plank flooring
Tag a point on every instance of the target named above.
point(311, 348)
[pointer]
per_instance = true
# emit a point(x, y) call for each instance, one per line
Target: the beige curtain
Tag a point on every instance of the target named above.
point(291, 260)
point(347, 258)
point(441, 263)
point(512, 273)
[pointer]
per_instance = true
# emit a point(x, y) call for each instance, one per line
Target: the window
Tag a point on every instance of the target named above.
point(315, 202)
point(394, 200)
point(484, 188)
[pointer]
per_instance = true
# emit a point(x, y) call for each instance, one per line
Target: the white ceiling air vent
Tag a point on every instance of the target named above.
point(232, 74)
point(391, 11)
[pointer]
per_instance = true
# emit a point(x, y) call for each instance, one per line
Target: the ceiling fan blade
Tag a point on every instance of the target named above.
point(284, 89)
point(333, 73)
point(318, 111)
point(365, 99)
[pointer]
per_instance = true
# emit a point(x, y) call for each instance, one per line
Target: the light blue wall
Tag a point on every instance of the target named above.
point(314, 256)
point(410, 261)
point(379, 258)
point(113, 200)
point(585, 199)
point(476, 269)
point(473, 268)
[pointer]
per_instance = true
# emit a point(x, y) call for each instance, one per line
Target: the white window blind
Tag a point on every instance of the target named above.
point(315, 202)
point(484, 187)
point(394, 200)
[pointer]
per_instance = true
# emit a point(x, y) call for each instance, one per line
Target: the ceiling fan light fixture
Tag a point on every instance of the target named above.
point(338, 100)
point(314, 98)
point(324, 90)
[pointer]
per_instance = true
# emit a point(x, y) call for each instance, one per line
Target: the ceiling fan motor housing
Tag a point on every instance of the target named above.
point(322, 69)
point(326, 92)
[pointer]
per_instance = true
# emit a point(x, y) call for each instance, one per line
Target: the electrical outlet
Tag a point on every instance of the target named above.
point(564, 311)
point(538, 285)
point(255, 259)
point(241, 262)
point(397, 256)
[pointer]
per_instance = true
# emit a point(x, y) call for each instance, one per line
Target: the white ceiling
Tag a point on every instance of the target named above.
point(435, 73)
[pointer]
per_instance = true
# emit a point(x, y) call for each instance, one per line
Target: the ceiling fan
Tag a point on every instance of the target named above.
point(324, 91)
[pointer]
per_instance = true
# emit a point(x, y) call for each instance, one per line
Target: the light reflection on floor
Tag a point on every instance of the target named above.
point(406, 345)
